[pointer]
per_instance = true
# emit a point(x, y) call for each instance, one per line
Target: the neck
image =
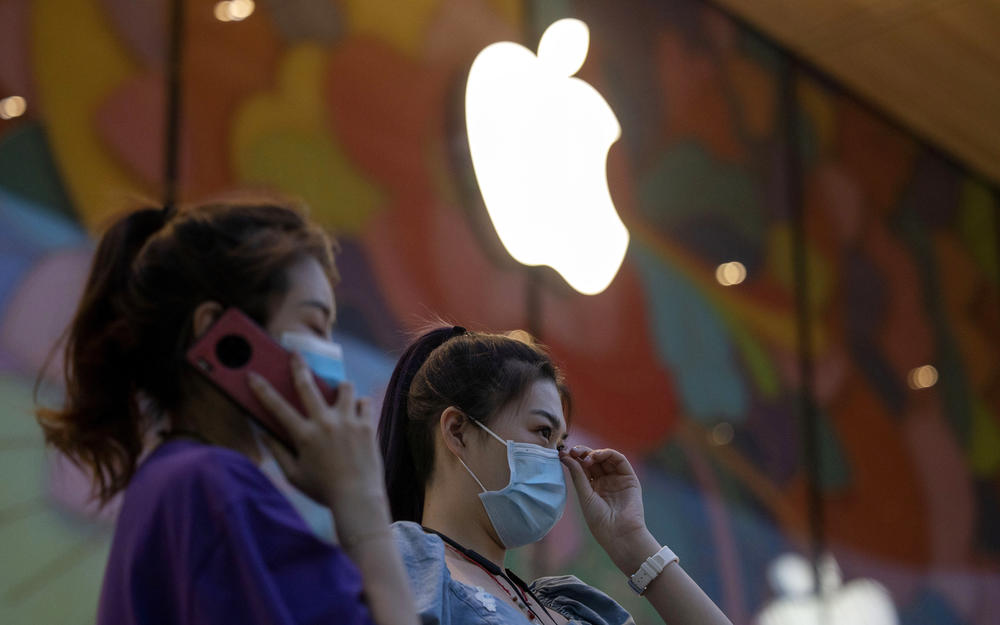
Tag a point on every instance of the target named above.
point(468, 530)
point(218, 422)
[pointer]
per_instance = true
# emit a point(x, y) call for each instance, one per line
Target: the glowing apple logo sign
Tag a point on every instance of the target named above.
point(539, 140)
point(860, 601)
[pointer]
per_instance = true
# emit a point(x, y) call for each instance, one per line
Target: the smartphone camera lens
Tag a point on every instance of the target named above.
point(233, 351)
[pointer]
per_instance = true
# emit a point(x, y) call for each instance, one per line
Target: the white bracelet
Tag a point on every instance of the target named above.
point(651, 568)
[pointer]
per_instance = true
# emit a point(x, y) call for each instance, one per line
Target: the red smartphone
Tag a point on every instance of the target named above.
point(235, 345)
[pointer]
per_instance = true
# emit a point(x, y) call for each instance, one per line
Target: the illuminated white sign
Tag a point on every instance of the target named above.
point(539, 140)
point(858, 602)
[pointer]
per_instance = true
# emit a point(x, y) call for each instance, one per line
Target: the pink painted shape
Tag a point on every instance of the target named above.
point(455, 253)
point(975, 595)
point(949, 499)
point(722, 536)
point(143, 27)
point(130, 121)
point(971, 593)
point(15, 73)
point(71, 489)
point(907, 338)
point(840, 200)
point(829, 371)
point(7, 362)
point(461, 28)
point(41, 309)
point(721, 30)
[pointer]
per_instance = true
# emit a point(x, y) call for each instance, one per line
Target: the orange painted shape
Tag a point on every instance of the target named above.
point(878, 156)
point(884, 512)
point(691, 82)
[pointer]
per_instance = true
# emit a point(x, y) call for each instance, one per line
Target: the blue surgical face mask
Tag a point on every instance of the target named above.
point(526, 509)
point(325, 358)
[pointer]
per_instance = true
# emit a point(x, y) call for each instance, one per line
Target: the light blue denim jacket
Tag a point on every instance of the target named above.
point(442, 600)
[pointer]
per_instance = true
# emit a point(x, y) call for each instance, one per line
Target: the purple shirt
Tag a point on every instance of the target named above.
point(204, 537)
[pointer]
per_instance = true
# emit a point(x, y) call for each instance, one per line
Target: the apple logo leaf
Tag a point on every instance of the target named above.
point(563, 46)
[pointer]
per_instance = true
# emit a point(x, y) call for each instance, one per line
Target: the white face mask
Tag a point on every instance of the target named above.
point(525, 510)
point(318, 517)
point(324, 357)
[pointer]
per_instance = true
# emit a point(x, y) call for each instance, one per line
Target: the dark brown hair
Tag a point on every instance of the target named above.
point(477, 373)
point(125, 348)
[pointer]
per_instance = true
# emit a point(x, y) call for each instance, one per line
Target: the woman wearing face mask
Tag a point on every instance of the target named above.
point(202, 535)
point(472, 435)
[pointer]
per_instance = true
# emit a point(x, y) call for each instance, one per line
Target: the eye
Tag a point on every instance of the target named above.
point(546, 432)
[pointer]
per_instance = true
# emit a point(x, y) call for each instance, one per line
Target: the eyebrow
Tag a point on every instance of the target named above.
point(324, 308)
point(551, 418)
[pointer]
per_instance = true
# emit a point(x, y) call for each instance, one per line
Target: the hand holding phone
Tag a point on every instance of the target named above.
point(338, 462)
point(234, 346)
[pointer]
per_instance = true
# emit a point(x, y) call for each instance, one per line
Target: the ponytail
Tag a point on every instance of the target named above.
point(405, 488)
point(99, 426)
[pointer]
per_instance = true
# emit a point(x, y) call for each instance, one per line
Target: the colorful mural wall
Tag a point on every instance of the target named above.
point(355, 106)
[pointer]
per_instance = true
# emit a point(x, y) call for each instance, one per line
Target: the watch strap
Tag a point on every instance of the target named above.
point(651, 568)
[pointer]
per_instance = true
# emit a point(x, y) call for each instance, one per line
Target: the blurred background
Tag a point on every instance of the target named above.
point(799, 352)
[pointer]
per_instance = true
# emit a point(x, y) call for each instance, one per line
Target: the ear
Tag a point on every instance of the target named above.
point(453, 425)
point(205, 314)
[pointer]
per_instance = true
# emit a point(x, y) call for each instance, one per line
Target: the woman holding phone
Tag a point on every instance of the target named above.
point(202, 535)
point(473, 435)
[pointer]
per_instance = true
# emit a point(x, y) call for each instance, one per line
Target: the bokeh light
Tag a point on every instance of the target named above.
point(922, 377)
point(722, 433)
point(234, 10)
point(731, 273)
point(12, 106)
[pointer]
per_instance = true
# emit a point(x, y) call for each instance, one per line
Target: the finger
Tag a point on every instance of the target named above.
point(584, 455)
point(274, 403)
point(305, 385)
point(592, 461)
point(345, 399)
point(601, 460)
point(580, 480)
point(588, 460)
point(612, 462)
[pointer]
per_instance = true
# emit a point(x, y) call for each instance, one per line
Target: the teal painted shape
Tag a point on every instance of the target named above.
point(688, 183)
point(676, 513)
point(27, 232)
point(760, 542)
point(28, 169)
point(693, 342)
point(29, 226)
